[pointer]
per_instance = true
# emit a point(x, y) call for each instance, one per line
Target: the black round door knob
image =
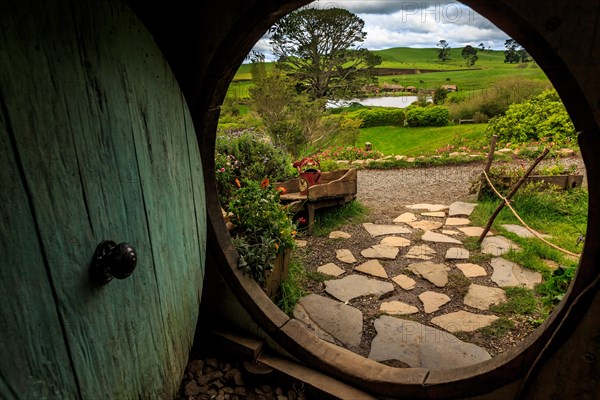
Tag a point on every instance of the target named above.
point(113, 260)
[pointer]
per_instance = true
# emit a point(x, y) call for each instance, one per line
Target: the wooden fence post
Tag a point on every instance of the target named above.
point(488, 164)
point(511, 194)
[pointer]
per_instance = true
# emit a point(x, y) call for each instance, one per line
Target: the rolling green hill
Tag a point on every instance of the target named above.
point(419, 62)
point(488, 69)
point(426, 58)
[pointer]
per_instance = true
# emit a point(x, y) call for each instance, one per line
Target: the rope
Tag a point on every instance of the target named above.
point(535, 233)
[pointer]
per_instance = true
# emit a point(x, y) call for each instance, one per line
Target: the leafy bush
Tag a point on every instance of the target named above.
point(480, 118)
point(247, 155)
point(262, 227)
point(553, 289)
point(439, 96)
point(327, 164)
point(379, 116)
point(544, 117)
point(428, 116)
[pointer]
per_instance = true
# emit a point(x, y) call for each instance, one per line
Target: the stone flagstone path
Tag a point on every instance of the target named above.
point(425, 256)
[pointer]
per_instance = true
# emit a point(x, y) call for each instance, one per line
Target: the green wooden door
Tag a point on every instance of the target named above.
point(96, 143)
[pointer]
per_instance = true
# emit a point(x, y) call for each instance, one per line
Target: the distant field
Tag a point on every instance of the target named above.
point(406, 57)
point(487, 70)
point(416, 141)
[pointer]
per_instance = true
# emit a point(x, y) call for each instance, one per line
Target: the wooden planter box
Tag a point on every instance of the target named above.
point(335, 188)
point(563, 181)
point(272, 285)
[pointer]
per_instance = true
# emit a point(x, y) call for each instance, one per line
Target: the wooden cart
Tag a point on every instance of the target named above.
point(335, 188)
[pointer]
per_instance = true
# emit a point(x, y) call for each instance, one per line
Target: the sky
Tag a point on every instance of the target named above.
point(410, 23)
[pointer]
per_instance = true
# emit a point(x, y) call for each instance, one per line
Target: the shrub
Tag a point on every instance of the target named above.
point(231, 106)
point(247, 155)
point(379, 116)
point(543, 118)
point(439, 96)
point(262, 227)
point(480, 118)
point(428, 116)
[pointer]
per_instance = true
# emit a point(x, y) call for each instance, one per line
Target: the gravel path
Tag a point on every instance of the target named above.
point(386, 192)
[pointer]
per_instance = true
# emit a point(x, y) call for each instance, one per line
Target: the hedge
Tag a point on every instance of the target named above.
point(427, 116)
point(379, 116)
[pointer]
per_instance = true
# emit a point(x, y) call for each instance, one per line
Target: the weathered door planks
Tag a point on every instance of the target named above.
point(31, 335)
point(108, 152)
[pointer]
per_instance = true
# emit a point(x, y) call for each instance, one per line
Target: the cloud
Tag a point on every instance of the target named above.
point(421, 23)
point(424, 23)
point(362, 7)
point(408, 7)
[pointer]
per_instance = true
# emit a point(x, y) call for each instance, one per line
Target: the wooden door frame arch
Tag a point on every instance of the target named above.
point(204, 93)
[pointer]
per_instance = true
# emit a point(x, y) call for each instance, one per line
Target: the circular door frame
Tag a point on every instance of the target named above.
point(414, 383)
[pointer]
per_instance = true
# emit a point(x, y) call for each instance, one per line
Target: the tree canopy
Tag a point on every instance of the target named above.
point(444, 50)
point(469, 53)
point(543, 117)
point(515, 53)
point(320, 49)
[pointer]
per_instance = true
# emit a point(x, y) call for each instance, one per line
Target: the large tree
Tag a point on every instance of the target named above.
point(443, 51)
point(320, 49)
point(515, 53)
point(469, 53)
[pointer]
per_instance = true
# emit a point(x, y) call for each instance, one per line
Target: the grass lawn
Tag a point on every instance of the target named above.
point(391, 140)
